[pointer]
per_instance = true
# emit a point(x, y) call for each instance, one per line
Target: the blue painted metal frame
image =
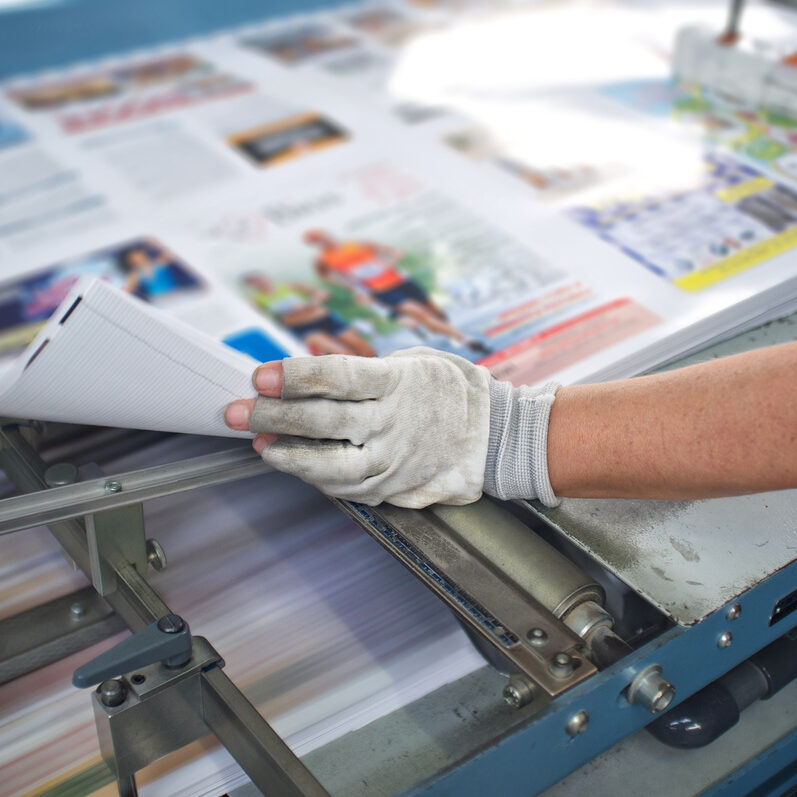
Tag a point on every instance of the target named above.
point(540, 753)
point(772, 773)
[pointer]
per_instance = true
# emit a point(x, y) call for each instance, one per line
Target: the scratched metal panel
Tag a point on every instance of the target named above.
point(687, 557)
point(690, 557)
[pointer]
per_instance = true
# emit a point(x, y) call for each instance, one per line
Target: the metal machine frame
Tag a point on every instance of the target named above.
point(568, 717)
point(99, 526)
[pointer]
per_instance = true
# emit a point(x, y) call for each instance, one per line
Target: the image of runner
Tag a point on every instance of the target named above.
point(372, 273)
point(300, 308)
point(151, 272)
point(142, 266)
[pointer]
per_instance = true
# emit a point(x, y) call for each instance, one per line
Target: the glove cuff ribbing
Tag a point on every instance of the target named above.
point(517, 450)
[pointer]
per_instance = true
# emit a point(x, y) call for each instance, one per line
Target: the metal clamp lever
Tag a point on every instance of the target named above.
point(168, 640)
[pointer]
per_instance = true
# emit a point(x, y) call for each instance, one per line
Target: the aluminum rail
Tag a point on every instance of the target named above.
point(110, 492)
point(261, 753)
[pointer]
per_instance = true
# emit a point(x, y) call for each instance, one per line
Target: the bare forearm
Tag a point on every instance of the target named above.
point(724, 427)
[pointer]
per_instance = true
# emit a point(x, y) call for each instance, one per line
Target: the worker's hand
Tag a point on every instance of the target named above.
point(414, 428)
point(410, 428)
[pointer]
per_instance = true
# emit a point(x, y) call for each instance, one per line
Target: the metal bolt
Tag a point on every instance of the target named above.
point(113, 487)
point(650, 690)
point(138, 678)
point(77, 610)
point(724, 639)
point(577, 723)
point(112, 693)
point(734, 611)
point(171, 624)
point(60, 474)
point(562, 665)
point(156, 556)
point(499, 629)
point(518, 692)
point(537, 636)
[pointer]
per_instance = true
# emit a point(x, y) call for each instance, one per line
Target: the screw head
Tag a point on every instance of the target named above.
point(733, 611)
point(562, 665)
point(725, 639)
point(171, 624)
point(512, 696)
point(60, 474)
point(537, 636)
point(77, 610)
point(112, 487)
point(518, 692)
point(156, 556)
point(112, 693)
point(577, 723)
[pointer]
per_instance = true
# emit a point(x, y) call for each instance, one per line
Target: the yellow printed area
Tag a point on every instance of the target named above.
point(741, 261)
point(733, 193)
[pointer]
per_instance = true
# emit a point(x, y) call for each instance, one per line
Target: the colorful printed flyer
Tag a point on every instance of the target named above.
point(142, 267)
point(734, 218)
point(93, 99)
point(763, 137)
point(378, 261)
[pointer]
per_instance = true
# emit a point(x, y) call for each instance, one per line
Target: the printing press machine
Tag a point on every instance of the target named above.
point(597, 618)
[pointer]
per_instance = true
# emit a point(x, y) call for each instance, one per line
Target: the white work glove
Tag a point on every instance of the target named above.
point(414, 428)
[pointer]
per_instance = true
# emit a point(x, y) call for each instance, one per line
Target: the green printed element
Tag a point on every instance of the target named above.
point(764, 149)
point(779, 120)
point(417, 265)
point(768, 138)
point(691, 103)
point(341, 303)
point(84, 783)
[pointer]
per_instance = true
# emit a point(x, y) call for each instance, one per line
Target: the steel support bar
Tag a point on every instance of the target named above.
point(53, 630)
point(262, 754)
point(110, 492)
point(134, 600)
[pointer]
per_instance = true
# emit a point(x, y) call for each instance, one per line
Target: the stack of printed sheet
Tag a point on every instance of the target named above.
point(319, 627)
point(524, 187)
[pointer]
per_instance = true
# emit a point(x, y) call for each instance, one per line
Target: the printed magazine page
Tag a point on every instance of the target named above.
point(379, 260)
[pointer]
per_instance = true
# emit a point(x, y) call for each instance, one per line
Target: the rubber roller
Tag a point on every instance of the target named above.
point(521, 555)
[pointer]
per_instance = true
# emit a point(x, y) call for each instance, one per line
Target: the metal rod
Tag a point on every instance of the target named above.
point(134, 600)
point(97, 495)
point(262, 754)
point(731, 33)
